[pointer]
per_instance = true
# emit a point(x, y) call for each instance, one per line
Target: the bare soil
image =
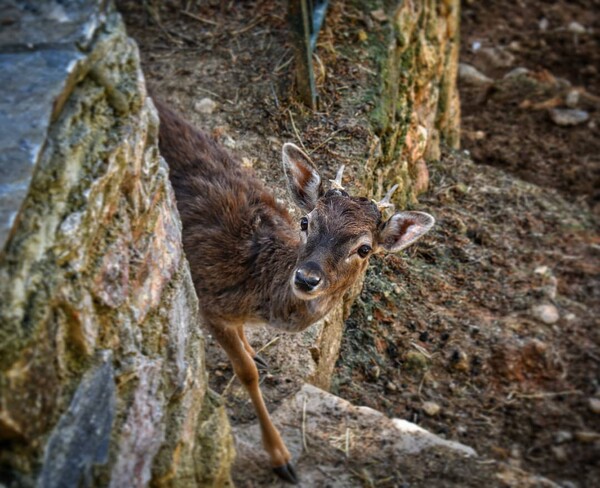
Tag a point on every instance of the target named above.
point(452, 321)
point(508, 125)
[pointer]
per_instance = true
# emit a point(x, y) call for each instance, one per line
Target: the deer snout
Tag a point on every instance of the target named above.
point(308, 277)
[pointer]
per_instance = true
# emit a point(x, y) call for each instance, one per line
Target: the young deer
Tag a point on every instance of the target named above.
point(252, 263)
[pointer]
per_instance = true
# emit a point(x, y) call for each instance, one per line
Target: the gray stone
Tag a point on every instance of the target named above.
point(32, 80)
point(546, 313)
point(143, 431)
point(497, 57)
point(30, 84)
point(81, 438)
point(92, 260)
point(472, 76)
point(205, 106)
point(431, 408)
point(515, 73)
point(594, 405)
point(28, 24)
point(576, 28)
point(572, 99)
point(347, 438)
point(568, 116)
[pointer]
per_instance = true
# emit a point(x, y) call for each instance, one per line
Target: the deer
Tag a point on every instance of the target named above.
point(251, 262)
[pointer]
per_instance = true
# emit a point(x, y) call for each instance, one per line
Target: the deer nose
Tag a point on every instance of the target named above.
point(308, 277)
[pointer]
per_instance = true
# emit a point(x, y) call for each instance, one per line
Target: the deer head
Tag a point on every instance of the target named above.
point(339, 232)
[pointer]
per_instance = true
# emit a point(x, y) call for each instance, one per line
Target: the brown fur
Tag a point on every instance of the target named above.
point(244, 248)
point(241, 244)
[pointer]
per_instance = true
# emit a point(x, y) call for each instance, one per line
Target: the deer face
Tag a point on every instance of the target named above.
point(338, 232)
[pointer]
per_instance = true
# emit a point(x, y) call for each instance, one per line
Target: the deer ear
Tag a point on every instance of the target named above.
point(303, 179)
point(403, 229)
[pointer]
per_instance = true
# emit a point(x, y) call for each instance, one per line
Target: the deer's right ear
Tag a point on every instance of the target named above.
point(303, 179)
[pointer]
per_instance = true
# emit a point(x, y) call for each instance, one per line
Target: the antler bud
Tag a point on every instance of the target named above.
point(337, 183)
point(385, 202)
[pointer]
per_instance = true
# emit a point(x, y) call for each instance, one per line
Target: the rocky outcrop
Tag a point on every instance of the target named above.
point(417, 105)
point(102, 378)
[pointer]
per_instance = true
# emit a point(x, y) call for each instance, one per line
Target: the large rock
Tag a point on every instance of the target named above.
point(102, 377)
point(417, 103)
point(335, 443)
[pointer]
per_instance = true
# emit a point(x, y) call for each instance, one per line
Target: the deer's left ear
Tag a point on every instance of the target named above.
point(403, 229)
point(304, 181)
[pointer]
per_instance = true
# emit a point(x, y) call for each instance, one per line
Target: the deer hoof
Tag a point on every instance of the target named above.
point(261, 363)
point(287, 473)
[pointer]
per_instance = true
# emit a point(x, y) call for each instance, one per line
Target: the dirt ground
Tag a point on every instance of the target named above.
point(488, 331)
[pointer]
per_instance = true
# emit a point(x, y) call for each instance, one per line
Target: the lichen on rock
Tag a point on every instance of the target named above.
point(102, 375)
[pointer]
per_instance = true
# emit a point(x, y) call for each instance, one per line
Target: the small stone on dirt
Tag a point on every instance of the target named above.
point(498, 57)
point(587, 436)
point(563, 436)
point(594, 404)
point(568, 116)
point(560, 453)
point(572, 99)
point(520, 71)
point(546, 313)
point(431, 408)
point(543, 24)
point(379, 15)
point(205, 106)
point(472, 76)
point(576, 28)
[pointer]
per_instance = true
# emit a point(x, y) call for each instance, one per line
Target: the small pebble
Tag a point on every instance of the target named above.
point(587, 436)
point(563, 436)
point(547, 313)
point(205, 106)
point(594, 404)
point(576, 28)
point(379, 15)
point(572, 99)
point(431, 408)
point(514, 46)
point(521, 71)
point(391, 386)
point(560, 453)
point(568, 116)
point(543, 24)
point(472, 76)
point(498, 57)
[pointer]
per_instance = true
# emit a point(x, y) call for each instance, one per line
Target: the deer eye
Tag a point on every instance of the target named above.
point(304, 223)
point(363, 251)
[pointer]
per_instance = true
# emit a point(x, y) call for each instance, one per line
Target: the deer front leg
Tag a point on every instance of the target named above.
point(245, 369)
point(261, 364)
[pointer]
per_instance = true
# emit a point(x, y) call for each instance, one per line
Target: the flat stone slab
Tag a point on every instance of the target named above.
point(334, 443)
